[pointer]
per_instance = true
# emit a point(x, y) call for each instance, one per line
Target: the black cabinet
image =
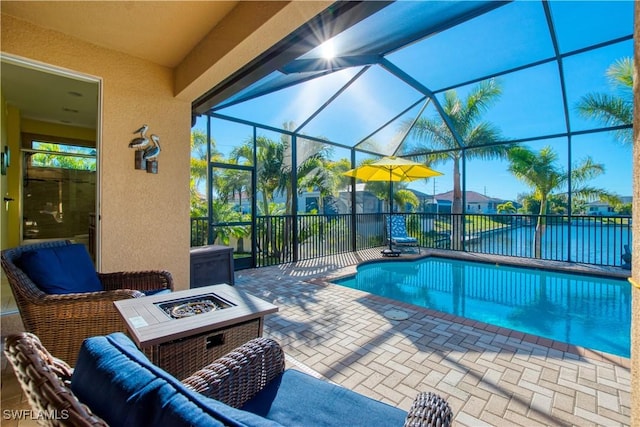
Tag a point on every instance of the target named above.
point(211, 265)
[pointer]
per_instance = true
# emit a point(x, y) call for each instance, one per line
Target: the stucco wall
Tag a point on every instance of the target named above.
point(144, 217)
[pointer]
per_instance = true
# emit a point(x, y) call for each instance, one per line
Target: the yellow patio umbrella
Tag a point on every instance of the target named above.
point(392, 169)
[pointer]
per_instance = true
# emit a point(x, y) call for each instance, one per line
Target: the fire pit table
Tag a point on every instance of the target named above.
point(184, 331)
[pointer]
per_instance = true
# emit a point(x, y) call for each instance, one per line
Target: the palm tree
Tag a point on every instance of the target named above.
point(401, 196)
point(506, 207)
point(63, 160)
point(466, 119)
point(312, 170)
point(613, 109)
point(541, 171)
point(274, 171)
point(270, 155)
point(199, 171)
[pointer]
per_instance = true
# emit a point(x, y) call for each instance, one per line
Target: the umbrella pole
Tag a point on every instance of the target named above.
point(390, 208)
point(391, 251)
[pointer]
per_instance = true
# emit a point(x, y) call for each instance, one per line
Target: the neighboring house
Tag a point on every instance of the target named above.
point(599, 208)
point(366, 202)
point(428, 203)
point(603, 208)
point(475, 202)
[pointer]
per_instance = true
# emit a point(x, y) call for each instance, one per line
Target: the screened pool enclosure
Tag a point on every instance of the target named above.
point(525, 107)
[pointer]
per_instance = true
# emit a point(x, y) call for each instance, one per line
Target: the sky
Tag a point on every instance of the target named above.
point(530, 105)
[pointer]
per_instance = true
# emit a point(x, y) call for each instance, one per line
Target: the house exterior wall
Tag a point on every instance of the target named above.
point(144, 217)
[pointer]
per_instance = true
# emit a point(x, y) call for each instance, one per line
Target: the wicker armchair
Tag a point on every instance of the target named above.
point(233, 379)
point(62, 322)
point(237, 377)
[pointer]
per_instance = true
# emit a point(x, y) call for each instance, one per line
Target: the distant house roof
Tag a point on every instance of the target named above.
point(423, 196)
point(626, 199)
point(623, 199)
point(471, 197)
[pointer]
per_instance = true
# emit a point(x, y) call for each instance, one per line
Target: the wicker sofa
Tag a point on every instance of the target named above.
point(114, 384)
point(63, 321)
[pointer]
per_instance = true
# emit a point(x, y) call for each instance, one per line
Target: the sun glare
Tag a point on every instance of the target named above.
point(327, 50)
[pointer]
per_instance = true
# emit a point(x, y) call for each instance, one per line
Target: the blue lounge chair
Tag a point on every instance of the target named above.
point(397, 234)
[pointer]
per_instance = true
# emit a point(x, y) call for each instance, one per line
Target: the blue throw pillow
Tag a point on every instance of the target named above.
point(298, 399)
point(121, 386)
point(61, 269)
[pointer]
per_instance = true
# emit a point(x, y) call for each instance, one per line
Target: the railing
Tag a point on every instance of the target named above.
point(199, 231)
point(597, 240)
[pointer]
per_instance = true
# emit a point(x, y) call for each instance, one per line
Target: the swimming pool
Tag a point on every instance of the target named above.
point(587, 311)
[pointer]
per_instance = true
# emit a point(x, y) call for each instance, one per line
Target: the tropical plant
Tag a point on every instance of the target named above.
point(616, 108)
point(49, 156)
point(556, 204)
point(227, 185)
point(506, 207)
point(541, 172)
point(475, 134)
point(401, 196)
point(623, 208)
point(270, 157)
point(198, 174)
point(312, 170)
point(274, 174)
point(406, 199)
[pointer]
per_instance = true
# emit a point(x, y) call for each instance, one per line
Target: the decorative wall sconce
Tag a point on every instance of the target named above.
point(5, 160)
point(147, 150)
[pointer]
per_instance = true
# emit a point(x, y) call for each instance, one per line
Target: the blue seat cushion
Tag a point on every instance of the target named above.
point(298, 399)
point(61, 269)
point(124, 388)
point(404, 240)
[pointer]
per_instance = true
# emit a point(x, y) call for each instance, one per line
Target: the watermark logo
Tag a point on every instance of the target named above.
point(30, 414)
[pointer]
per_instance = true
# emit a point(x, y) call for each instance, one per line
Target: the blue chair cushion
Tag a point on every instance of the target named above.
point(404, 240)
point(124, 388)
point(298, 399)
point(61, 269)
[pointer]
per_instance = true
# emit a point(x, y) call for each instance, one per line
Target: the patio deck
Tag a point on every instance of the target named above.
point(490, 376)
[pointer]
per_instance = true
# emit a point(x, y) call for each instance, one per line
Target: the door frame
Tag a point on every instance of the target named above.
point(16, 145)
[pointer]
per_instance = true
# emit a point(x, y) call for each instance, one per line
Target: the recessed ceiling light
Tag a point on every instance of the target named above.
point(67, 122)
point(74, 93)
point(69, 110)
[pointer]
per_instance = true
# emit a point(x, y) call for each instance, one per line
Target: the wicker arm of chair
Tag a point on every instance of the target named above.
point(138, 280)
point(83, 315)
point(44, 380)
point(429, 409)
point(238, 376)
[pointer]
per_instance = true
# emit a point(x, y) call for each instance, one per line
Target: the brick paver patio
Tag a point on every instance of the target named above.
point(490, 375)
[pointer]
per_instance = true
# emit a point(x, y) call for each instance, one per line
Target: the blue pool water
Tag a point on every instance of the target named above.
point(587, 311)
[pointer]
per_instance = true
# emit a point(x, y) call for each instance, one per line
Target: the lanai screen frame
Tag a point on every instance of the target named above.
point(431, 97)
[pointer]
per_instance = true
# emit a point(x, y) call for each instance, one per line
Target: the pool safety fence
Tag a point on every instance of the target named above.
point(272, 240)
